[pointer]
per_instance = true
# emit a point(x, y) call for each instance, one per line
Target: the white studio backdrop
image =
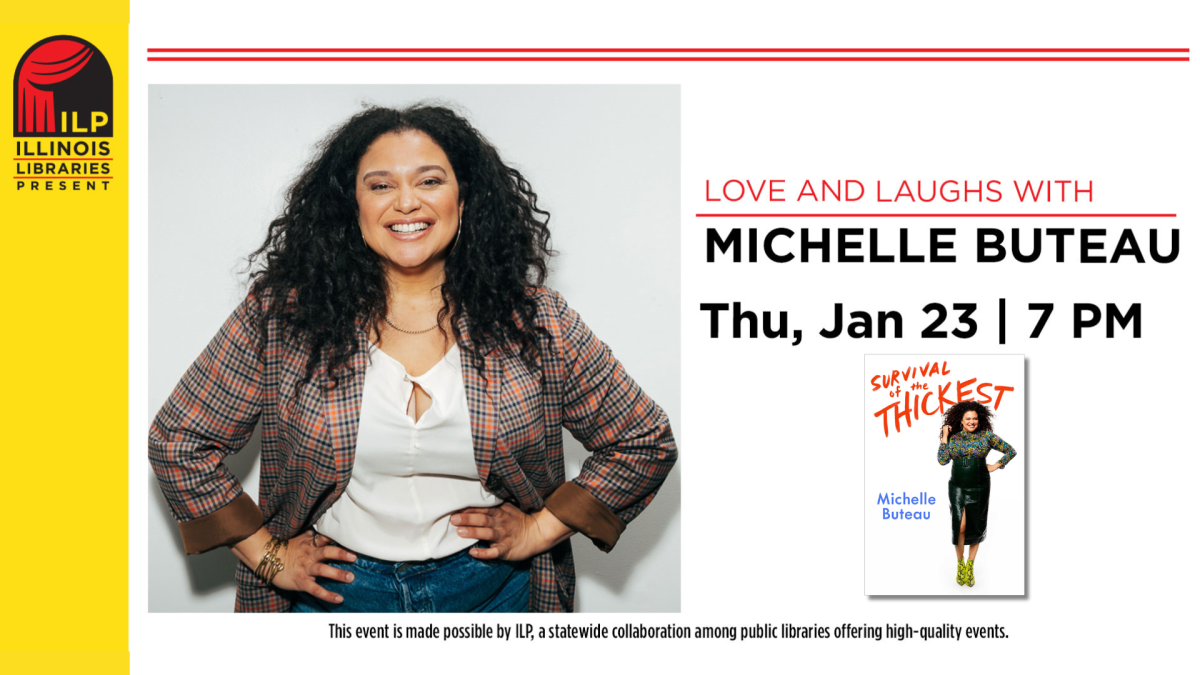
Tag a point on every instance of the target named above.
point(220, 159)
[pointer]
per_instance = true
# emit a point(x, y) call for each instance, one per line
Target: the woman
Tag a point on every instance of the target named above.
point(411, 374)
point(967, 439)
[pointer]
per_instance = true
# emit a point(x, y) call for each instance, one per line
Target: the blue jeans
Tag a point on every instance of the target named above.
point(456, 583)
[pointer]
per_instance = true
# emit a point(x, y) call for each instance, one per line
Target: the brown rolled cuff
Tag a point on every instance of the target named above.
point(226, 526)
point(582, 512)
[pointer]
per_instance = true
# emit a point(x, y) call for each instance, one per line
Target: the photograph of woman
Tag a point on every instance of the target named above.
point(966, 440)
point(410, 374)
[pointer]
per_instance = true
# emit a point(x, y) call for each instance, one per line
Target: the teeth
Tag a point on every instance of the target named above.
point(405, 228)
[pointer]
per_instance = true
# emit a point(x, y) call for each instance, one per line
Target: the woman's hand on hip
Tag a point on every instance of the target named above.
point(512, 533)
point(993, 467)
point(304, 561)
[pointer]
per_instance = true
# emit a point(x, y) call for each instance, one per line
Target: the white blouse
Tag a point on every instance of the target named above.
point(409, 475)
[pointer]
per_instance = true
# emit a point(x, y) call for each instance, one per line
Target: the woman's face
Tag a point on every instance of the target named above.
point(970, 421)
point(408, 203)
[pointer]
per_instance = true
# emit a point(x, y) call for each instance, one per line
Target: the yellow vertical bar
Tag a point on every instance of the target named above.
point(65, 394)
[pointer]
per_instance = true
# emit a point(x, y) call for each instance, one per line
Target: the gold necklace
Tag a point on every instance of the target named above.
point(410, 332)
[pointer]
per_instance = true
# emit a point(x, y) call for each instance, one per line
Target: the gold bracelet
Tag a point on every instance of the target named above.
point(277, 559)
point(272, 560)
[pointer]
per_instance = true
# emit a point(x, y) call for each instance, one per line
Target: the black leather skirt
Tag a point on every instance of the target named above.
point(970, 488)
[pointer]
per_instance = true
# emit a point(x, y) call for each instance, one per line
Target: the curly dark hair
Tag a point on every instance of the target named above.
point(954, 415)
point(323, 279)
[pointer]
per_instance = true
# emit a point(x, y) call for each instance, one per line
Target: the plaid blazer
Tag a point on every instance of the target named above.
point(308, 440)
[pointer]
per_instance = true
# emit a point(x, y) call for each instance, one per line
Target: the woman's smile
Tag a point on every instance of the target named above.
point(409, 230)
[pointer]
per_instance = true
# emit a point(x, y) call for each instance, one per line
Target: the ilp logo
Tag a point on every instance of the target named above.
point(63, 87)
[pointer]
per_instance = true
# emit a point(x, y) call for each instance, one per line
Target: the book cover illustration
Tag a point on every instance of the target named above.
point(944, 474)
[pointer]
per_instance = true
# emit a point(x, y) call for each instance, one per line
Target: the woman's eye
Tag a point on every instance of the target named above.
point(431, 181)
point(379, 186)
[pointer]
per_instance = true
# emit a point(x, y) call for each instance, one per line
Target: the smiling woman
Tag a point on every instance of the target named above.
point(412, 373)
point(967, 438)
point(408, 202)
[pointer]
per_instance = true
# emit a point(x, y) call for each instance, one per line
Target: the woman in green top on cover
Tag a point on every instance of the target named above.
point(967, 438)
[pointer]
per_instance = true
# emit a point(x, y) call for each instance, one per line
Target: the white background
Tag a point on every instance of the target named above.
point(774, 466)
point(916, 557)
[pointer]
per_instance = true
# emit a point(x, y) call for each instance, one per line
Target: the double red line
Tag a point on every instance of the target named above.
point(664, 54)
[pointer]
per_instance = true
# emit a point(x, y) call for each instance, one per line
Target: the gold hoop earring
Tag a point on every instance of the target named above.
point(457, 233)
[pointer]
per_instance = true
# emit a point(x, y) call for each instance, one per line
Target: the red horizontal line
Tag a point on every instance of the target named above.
point(935, 215)
point(47, 177)
point(653, 50)
point(667, 58)
point(63, 159)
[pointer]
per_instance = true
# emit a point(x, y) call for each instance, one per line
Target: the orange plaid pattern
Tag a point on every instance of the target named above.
point(308, 438)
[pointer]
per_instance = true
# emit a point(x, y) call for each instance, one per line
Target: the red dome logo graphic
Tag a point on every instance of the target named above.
point(63, 87)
